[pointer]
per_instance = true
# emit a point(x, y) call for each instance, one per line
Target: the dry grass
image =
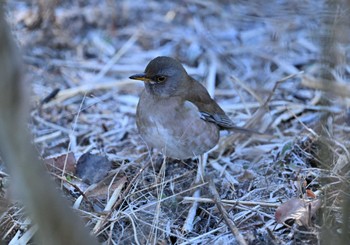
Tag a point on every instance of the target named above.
point(240, 51)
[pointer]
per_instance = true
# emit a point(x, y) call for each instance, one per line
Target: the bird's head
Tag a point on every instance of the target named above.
point(163, 76)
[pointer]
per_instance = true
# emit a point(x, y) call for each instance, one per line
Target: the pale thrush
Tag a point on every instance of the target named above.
point(175, 113)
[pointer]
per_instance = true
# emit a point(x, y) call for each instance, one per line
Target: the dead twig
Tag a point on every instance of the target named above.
point(233, 202)
point(233, 228)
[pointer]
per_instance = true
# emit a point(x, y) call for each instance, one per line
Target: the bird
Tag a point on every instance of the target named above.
point(175, 113)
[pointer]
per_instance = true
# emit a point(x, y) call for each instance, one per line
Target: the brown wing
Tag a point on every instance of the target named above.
point(209, 109)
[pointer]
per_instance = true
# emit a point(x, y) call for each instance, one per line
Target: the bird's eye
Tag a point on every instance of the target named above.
point(161, 79)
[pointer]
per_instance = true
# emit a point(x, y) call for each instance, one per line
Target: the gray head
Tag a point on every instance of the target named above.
point(163, 76)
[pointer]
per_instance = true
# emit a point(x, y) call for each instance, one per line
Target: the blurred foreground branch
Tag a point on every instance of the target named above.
point(334, 40)
point(57, 222)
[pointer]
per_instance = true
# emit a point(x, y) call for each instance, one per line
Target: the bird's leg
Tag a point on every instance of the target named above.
point(202, 162)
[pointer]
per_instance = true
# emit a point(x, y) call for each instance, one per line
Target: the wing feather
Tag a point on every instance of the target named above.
point(208, 108)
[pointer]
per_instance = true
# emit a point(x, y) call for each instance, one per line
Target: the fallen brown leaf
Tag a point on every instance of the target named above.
point(64, 162)
point(298, 210)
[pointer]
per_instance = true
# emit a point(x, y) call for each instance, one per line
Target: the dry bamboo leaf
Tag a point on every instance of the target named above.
point(328, 86)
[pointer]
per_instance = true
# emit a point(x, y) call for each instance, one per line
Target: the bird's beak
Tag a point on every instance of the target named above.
point(141, 77)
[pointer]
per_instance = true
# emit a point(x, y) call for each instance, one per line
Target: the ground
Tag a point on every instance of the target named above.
point(267, 64)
